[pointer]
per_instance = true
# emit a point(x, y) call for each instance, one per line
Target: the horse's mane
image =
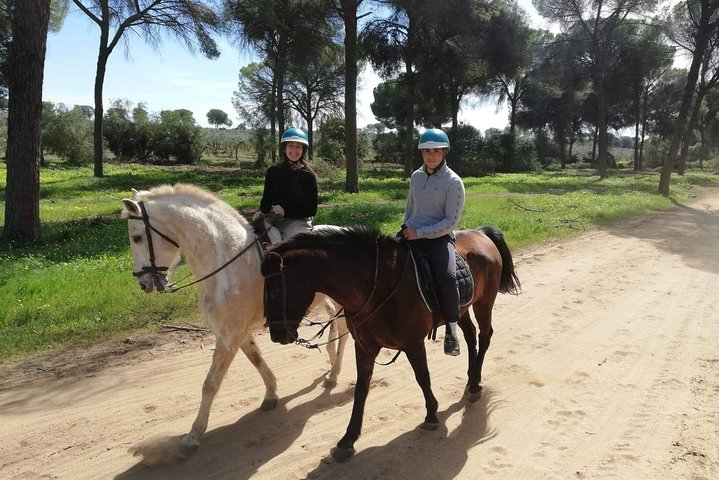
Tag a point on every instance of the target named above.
point(196, 194)
point(344, 240)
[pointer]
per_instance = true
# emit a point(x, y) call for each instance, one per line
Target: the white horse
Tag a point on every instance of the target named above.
point(167, 221)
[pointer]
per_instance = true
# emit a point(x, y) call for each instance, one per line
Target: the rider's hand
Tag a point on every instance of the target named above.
point(278, 210)
point(410, 233)
point(257, 215)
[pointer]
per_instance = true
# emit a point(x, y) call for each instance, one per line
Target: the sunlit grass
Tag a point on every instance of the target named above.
point(76, 286)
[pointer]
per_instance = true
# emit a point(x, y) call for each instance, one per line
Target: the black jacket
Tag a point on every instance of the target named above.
point(294, 190)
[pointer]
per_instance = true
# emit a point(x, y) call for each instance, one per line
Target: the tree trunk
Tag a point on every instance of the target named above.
point(690, 133)
point(99, 111)
point(349, 14)
point(273, 116)
point(409, 127)
point(455, 100)
point(280, 71)
point(602, 127)
point(637, 120)
point(595, 134)
point(513, 99)
point(705, 31)
point(309, 120)
point(26, 61)
point(645, 101)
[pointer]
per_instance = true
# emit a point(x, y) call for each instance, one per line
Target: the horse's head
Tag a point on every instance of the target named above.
point(288, 295)
point(153, 252)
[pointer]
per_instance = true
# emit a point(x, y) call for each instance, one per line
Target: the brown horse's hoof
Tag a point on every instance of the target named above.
point(429, 426)
point(474, 396)
point(339, 455)
point(268, 405)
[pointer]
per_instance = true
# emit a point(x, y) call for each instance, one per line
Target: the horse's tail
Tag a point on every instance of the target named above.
point(509, 282)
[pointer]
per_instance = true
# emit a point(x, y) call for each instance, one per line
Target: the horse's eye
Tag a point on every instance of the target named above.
point(136, 238)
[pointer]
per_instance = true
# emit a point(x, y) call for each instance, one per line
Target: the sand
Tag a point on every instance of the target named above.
point(605, 367)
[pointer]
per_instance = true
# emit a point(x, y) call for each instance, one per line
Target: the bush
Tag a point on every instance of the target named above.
point(388, 148)
point(127, 138)
point(331, 144)
point(655, 151)
point(466, 155)
point(509, 154)
point(68, 134)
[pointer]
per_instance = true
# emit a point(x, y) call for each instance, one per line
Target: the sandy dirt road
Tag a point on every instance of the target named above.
point(605, 367)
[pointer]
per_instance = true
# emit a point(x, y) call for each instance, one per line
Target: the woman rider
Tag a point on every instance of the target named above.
point(290, 191)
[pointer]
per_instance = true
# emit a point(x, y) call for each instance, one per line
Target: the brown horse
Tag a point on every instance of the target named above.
point(372, 276)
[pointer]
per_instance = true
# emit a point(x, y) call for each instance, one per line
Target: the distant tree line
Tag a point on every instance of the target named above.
point(608, 67)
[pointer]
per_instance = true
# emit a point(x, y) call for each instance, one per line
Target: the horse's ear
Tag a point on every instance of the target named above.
point(134, 192)
point(131, 208)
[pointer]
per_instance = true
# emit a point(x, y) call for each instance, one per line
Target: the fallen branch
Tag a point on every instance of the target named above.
point(509, 199)
point(186, 329)
point(568, 223)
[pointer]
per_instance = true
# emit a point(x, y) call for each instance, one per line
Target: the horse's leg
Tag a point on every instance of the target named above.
point(221, 359)
point(338, 327)
point(417, 357)
point(336, 350)
point(365, 358)
point(483, 314)
point(465, 323)
point(252, 352)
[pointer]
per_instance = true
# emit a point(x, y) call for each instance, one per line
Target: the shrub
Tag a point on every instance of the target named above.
point(466, 155)
point(68, 134)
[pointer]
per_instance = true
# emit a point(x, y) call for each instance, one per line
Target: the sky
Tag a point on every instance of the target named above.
point(171, 77)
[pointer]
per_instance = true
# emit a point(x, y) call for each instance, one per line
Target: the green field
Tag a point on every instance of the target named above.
point(75, 287)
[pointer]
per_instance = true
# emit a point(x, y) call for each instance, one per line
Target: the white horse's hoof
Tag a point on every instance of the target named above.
point(327, 383)
point(268, 405)
point(188, 446)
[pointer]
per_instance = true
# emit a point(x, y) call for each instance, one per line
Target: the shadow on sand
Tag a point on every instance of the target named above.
point(418, 454)
point(690, 232)
point(235, 451)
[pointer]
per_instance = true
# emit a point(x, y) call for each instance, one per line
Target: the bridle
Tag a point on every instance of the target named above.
point(355, 325)
point(159, 273)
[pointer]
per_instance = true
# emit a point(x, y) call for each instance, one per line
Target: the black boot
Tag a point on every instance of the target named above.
point(451, 344)
point(449, 302)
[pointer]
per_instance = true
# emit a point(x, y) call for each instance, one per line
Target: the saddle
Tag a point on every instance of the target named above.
point(425, 280)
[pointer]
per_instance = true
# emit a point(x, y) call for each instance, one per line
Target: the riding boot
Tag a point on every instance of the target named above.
point(449, 302)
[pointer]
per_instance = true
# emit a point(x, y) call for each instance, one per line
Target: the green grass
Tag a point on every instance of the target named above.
point(76, 287)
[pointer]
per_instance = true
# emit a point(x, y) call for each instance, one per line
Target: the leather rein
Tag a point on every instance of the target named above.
point(348, 315)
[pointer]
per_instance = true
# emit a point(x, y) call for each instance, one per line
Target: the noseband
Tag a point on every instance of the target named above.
point(157, 273)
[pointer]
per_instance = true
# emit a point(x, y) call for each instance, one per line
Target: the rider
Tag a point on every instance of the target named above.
point(290, 191)
point(434, 206)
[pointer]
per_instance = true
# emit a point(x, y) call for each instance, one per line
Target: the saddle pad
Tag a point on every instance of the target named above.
point(425, 280)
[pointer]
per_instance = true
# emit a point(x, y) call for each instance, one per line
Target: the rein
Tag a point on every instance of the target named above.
point(156, 271)
point(348, 315)
point(387, 299)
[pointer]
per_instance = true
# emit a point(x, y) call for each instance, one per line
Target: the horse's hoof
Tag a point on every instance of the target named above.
point(268, 405)
point(327, 383)
point(188, 447)
point(340, 455)
point(473, 396)
point(429, 426)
